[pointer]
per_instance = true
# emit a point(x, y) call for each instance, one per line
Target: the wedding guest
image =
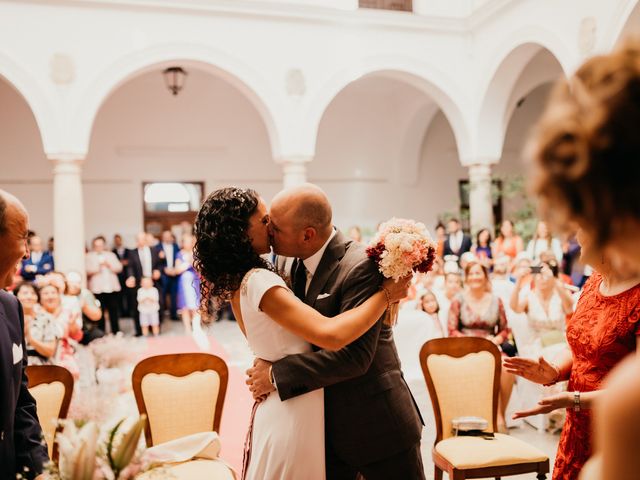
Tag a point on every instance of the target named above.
point(482, 249)
point(546, 306)
point(542, 241)
point(600, 333)
point(584, 155)
point(479, 313)
point(103, 268)
point(143, 262)
point(440, 238)
point(189, 286)
point(39, 262)
point(457, 242)
point(52, 313)
point(429, 305)
point(40, 332)
point(355, 234)
point(148, 307)
point(87, 306)
point(508, 242)
point(168, 254)
point(50, 245)
point(22, 451)
point(451, 289)
point(121, 251)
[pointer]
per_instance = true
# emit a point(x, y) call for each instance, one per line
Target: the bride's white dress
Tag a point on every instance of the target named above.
point(287, 438)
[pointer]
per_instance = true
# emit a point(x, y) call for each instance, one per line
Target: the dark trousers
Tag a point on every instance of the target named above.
point(169, 288)
point(110, 302)
point(132, 294)
point(406, 465)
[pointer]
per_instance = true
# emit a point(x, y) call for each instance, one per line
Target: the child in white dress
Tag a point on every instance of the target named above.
point(149, 307)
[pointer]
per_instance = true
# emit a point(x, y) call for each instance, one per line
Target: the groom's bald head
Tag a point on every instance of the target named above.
point(301, 220)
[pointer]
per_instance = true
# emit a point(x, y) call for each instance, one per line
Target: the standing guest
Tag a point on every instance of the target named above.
point(103, 268)
point(87, 306)
point(120, 251)
point(508, 242)
point(456, 242)
point(441, 236)
point(40, 332)
point(38, 263)
point(600, 333)
point(148, 307)
point(542, 241)
point(479, 313)
point(571, 264)
point(482, 248)
point(585, 154)
point(22, 450)
point(355, 234)
point(189, 287)
point(168, 253)
point(50, 245)
point(143, 262)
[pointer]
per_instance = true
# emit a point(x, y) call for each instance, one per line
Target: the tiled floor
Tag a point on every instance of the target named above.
point(228, 334)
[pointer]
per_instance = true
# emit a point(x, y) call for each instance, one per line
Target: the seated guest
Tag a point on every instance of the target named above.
point(103, 268)
point(41, 332)
point(508, 242)
point(456, 242)
point(38, 263)
point(53, 315)
point(479, 313)
point(87, 305)
point(428, 303)
point(450, 290)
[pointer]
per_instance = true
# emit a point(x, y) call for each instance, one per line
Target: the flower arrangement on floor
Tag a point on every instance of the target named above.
point(86, 454)
point(399, 248)
point(114, 351)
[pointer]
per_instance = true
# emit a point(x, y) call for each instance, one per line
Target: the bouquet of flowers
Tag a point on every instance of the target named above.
point(399, 248)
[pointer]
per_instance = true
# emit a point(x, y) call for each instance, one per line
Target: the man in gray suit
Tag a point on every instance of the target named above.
point(372, 423)
point(22, 449)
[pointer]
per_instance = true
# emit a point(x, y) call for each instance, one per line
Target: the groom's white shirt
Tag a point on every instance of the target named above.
point(311, 263)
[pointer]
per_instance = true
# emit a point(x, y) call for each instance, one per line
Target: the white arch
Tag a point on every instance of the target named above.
point(497, 97)
point(619, 20)
point(434, 83)
point(249, 82)
point(31, 92)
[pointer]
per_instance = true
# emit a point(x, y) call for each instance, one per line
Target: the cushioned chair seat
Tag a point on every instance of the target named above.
point(205, 469)
point(476, 452)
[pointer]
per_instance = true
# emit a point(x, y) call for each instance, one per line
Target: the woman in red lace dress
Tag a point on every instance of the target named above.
point(601, 332)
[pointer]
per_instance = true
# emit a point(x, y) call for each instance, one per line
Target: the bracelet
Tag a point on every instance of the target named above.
point(387, 296)
point(576, 401)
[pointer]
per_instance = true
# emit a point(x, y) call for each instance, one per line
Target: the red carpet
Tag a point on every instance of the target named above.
point(237, 404)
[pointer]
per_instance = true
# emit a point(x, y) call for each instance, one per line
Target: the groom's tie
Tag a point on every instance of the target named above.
point(300, 280)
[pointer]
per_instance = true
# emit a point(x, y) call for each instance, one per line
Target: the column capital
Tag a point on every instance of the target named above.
point(479, 170)
point(293, 159)
point(66, 163)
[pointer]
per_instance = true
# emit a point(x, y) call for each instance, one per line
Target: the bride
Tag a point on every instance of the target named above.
point(286, 439)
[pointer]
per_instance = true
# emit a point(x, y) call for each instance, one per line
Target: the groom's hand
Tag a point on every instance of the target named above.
point(258, 379)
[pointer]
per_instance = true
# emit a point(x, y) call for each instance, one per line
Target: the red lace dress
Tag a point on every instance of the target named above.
point(600, 333)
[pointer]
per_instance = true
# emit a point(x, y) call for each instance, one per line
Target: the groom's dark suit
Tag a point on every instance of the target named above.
point(372, 422)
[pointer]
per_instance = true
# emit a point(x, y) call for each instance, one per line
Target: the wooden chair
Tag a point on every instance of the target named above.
point(463, 378)
point(51, 386)
point(181, 394)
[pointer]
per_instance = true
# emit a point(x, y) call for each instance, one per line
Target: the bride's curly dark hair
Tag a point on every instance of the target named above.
point(223, 253)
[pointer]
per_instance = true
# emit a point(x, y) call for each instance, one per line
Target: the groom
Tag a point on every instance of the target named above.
point(372, 423)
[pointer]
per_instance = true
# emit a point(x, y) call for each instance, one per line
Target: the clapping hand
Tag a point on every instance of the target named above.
point(547, 405)
point(537, 371)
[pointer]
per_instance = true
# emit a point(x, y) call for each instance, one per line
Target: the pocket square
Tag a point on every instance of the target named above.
point(323, 295)
point(17, 353)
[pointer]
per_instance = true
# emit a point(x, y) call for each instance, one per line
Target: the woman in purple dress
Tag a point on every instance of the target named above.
point(188, 283)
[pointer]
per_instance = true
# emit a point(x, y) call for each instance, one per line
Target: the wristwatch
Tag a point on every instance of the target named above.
point(272, 380)
point(576, 401)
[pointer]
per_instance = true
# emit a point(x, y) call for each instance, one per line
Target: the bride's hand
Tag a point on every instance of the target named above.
point(397, 290)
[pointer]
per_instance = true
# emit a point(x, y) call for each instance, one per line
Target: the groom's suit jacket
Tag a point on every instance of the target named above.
point(21, 444)
point(370, 413)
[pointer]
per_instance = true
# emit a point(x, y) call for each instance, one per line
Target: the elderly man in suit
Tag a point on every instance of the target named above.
point(168, 254)
point(38, 263)
point(372, 423)
point(22, 449)
point(143, 262)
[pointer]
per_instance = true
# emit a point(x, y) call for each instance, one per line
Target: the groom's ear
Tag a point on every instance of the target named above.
point(309, 234)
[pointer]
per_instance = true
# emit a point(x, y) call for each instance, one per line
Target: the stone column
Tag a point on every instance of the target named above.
point(480, 198)
point(294, 170)
point(68, 213)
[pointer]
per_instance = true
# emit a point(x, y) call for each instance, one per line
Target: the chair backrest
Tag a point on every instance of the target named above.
point(181, 394)
point(51, 386)
point(463, 378)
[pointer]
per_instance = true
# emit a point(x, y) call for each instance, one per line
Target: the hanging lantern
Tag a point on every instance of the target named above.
point(174, 78)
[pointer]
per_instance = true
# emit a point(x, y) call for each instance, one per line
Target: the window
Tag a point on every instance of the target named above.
point(402, 5)
point(170, 205)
